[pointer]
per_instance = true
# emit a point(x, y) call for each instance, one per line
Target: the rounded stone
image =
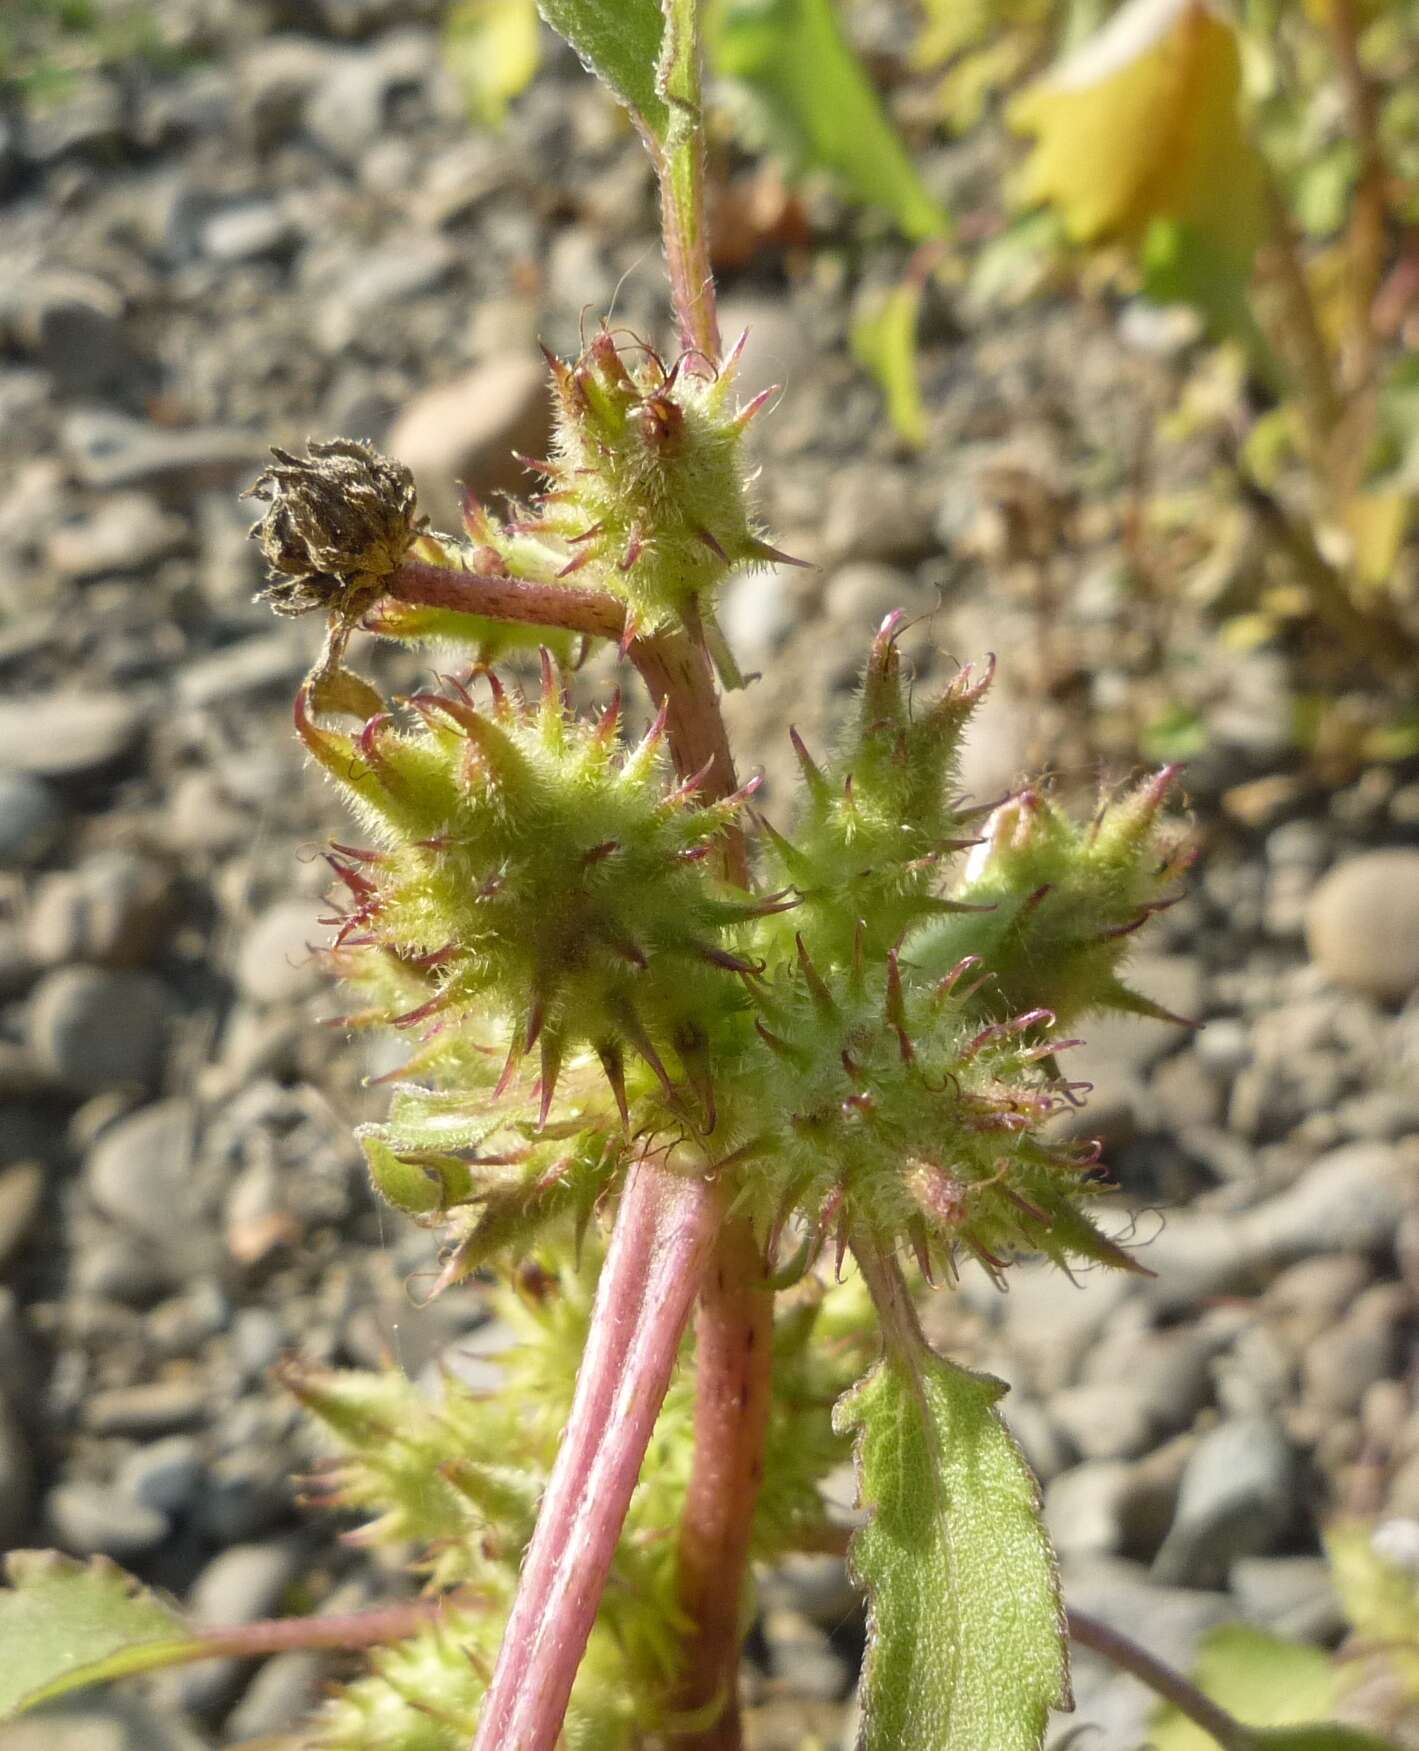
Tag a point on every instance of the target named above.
point(111, 908)
point(1236, 1499)
point(30, 819)
point(139, 1172)
point(275, 963)
point(91, 1029)
point(90, 1519)
point(165, 1475)
point(1362, 924)
point(468, 429)
point(66, 735)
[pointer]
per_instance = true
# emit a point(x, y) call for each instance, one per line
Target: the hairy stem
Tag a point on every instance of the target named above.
point(1125, 1653)
point(342, 1632)
point(681, 164)
point(665, 1227)
point(734, 1394)
point(676, 674)
point(734, 1327)
point(590, 612)
point(902, 1336)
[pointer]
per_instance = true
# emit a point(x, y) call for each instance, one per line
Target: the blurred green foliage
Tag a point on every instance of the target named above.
point(46, 44)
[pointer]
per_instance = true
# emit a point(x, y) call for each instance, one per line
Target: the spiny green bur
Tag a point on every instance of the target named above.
point(537, 879)
point(647, 480)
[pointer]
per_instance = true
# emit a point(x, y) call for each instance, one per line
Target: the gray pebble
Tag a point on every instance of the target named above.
point(126, 532)
point(1106, 1421)
point(1041, 1441)
point(139, 1173)
point(257, 1340)
point(30, 819)
point(91, 1028)
point(345, 111)
point(1235, 1500)
point(860, 596)
point(1086, 1507)
point(467, 430)
point(113, 1721)
point(278, 1698)
point(1188, 1091)
point(1362, 923)
point(165, 1475)
point(111, 909)
point(181, 1326)
point(802, 1657)
point(1345, 1360)
point(246, 1494)
point(115, 1267)
point(91, 1519)
point(268, 660)
point(1224, 1045)
point(247, 231)
point(245, 1582)
point(818, 1587)
point(275, 963)
point(779, 349)
point(67, 735)
point(150, 1408)
point(110, 450)
point(1351, 1200)
point(877, 513)
point(1292, 1596)
point(757, 612)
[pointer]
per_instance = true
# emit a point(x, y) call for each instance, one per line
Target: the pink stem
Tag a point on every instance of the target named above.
point(375, 1628)
point(664, 1230)
point(498, 598)
point(734, 1329)
point(677, 675)
point(733, 1398)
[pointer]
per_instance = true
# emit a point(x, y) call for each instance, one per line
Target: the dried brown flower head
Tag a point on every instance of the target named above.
point(338, 521)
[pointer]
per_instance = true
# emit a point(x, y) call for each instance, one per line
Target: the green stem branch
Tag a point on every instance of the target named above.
point(680, 161)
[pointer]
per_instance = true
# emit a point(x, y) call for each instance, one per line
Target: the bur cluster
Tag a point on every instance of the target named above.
point(852, 1018)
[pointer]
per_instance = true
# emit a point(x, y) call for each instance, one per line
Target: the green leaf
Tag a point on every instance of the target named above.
point(1261, 1679)
point(619, 41)
point(884, 342)
point(966, 1648)
point(418, 1182)
point(65, 1624)
point(815, 97)
point(490, 47)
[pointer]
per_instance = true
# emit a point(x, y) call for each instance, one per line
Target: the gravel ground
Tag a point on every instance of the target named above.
point(292, 230)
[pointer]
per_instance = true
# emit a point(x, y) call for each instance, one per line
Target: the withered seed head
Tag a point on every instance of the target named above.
point(338, 521)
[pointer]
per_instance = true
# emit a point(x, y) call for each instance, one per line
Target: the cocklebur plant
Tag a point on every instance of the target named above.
point(670, 1059)
point(748, 1049)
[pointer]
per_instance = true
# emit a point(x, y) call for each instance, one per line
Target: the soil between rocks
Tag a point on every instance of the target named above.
point(291, 229)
